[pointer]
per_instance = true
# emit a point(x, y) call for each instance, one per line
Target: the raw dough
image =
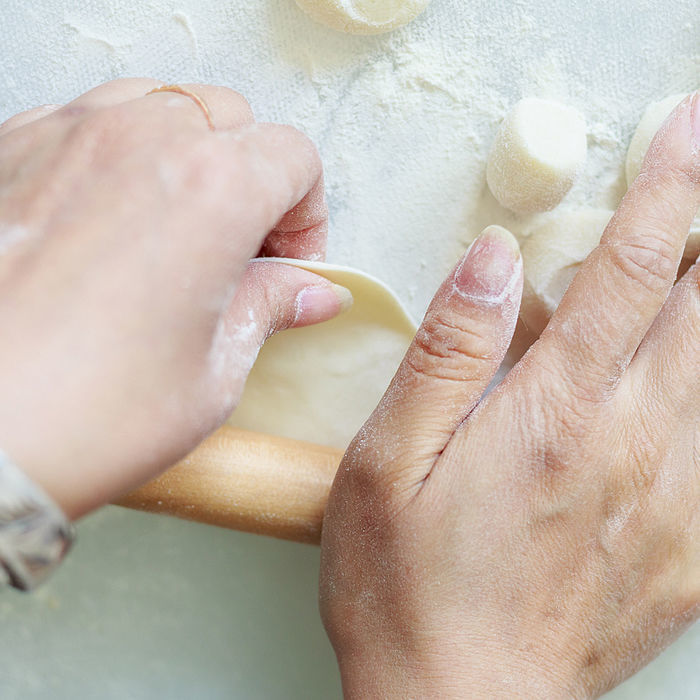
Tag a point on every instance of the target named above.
point(363, 16)
point(539, 150)
point(321, 383)
point(552, 254)
point(653, 117)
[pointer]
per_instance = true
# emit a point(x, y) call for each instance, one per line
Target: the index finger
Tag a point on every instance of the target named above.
point(621, 287)
point(284, 164)
point(302, 232)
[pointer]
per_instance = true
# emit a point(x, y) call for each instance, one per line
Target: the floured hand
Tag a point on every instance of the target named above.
point(544, 541)
point(129, 310)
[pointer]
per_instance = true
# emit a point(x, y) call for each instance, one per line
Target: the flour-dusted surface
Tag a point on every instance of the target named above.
point(363, 16)
point(404, 122)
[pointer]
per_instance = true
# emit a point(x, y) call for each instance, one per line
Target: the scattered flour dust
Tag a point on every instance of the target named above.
point(234, 346)
point(421, 116)
point(404, 121)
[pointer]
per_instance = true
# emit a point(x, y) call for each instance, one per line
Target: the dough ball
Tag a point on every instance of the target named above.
point(539, 150)
point(552, 254)
point(653, 117)
point(363, 16)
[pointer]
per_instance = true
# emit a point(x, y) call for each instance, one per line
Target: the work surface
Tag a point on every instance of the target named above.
point(154, 608)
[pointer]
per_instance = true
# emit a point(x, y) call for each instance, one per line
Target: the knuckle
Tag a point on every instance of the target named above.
point(576, 419)
point(591, 389)
point(669, 181)
point(181, 163)
point(198, 159)
point(95, 131)
point(124, 87)
point(111, 133)
point(240, 102)
point(128, 82)
point(649, 261)
point(451, 348)
point(289, 131)
point(561, 381)
point(287, 134)
point(200, 167)
point(376, 470)
point(272, 314)
point(684, 175)
point(364, 473)
point(223, 97)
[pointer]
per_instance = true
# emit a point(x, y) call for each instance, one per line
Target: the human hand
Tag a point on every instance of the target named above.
point(543, 541)
point(130, 312)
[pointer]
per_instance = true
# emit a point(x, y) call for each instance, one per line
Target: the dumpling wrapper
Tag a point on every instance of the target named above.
point(321, 383)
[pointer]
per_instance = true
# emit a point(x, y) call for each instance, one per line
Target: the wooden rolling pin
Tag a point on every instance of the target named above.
point(247, 481)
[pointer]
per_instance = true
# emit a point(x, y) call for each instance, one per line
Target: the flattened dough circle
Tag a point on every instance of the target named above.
point(321, 383)
point(552, 254)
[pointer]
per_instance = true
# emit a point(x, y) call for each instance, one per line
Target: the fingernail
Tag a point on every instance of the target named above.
point(344, 297)
point(321, 303)
point(490, 267)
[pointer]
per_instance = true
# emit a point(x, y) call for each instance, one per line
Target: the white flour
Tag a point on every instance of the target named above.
point(404, 121)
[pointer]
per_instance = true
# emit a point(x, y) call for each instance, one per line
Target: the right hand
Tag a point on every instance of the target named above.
point(543, 541)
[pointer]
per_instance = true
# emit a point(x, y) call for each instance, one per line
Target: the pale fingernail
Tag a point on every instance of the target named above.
point(491, 266)
point(344, 297)
point(321, 303)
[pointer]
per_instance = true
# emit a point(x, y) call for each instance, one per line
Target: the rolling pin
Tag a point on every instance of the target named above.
point(247, 481)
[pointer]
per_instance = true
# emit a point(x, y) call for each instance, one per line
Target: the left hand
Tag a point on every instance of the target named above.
point(130, 309)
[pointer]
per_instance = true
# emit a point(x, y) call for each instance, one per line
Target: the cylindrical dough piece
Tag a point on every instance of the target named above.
point(552, 254)
point(651, 120)
point(363, 16)
point(538, 152)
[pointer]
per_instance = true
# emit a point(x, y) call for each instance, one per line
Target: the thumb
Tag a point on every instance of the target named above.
point(270, 298)
point(456, 352)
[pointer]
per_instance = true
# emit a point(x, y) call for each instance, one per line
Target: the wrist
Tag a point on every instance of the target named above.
point(34, 532)
point(59, 462)
point(395, 674)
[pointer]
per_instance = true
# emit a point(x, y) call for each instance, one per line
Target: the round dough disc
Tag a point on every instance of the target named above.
point(321, 383)
point(363, 16)
point(653, 117)
point(552, 255)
